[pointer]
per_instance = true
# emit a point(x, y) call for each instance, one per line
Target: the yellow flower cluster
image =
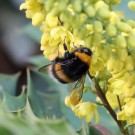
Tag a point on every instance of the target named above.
point(34, 10)
point(81, 109)
point(111, 37)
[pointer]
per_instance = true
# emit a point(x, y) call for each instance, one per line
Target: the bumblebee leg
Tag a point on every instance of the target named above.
point(66, 54)
point(74, 46)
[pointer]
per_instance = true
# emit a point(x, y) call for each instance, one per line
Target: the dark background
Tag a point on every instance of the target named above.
point(15, 45)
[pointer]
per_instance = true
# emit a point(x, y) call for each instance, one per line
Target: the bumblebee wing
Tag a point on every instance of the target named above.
point(45, 68)
point(65, 64)
point(77, 86)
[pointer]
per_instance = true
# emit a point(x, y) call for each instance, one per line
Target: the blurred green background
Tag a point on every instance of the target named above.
point(20, 59)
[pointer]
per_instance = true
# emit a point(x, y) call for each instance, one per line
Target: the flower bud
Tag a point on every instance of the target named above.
point(83, 18)
point(129, 63)
point(131, 41)
point(55, 11)
point(106, 52)
point(98, 27)
point(77, 5)
point(111, 30)
point(131, 5)
point(97, 38)
point(100, 4)
point(103, 13)
point(62, 5)
point(89, 10)
point(114, 17)
point(120, 41)
point(122, 54)
point(123, 27)
point(49, 5)
point(131, 23)
point(65, 16)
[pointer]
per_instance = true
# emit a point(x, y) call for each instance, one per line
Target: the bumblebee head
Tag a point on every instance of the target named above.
point(86, 50)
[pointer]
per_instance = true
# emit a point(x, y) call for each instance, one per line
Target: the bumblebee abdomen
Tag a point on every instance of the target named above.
point(68, 73)
point(76, 70)
point(58, 74)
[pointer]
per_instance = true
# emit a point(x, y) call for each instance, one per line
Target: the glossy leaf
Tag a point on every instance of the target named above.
point(28, 124)
point(8, 82)
point(44, 99)
point(14, 103)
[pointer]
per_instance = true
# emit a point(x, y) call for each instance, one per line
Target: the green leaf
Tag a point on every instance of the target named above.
point(38, 61)
point(14, 103)
point(33, 32)
point(89, 130)
point(95, 131)
point(44, 98)
point(27, 123)
point(84, 130)
point(5, 131)
point(60, 127)
point(8, 82)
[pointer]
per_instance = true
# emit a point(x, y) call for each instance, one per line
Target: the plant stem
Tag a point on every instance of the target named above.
point(108, 107)
point(118, 98)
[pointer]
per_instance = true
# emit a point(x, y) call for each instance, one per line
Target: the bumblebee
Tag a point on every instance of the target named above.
point(72, 68)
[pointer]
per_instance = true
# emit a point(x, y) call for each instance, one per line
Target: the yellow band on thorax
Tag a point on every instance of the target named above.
point(83, 57)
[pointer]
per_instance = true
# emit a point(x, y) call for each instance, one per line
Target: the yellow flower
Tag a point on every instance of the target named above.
point(112, 99)
point(114, 65)
point(128, 91)
point(34, 10)
point(123, 83)
point(87, 110)
point(130, 107)
point(37, 18)
point(97, 66)
point(121, 115)
point(109, 35)
point(52, 40)
point(73, 99)
point(51, 20)
point(128, 111)
point(117, 86)
point(131, 120)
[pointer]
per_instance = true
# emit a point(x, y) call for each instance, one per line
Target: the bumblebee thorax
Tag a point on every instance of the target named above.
point(85, 50)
